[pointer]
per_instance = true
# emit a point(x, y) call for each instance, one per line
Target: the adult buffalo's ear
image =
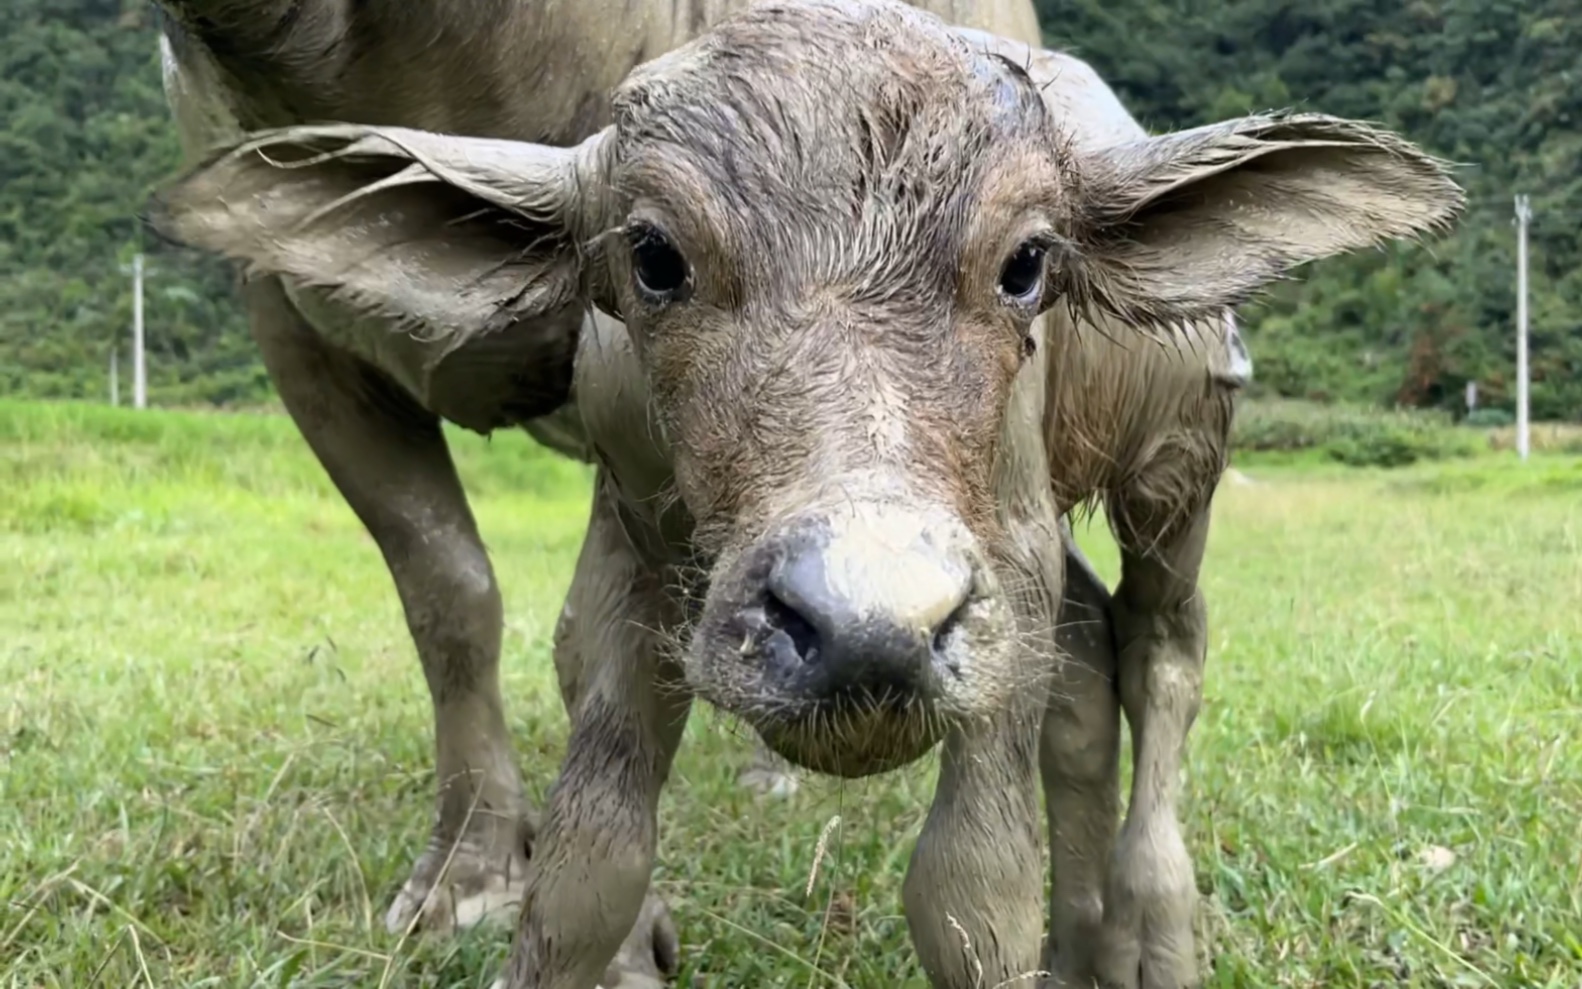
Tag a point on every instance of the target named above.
point(449, 237)
point(1180, 226)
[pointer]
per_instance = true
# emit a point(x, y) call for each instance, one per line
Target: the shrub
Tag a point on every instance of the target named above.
point(1381, 448)
point(1488, 418)
point(1353, 435)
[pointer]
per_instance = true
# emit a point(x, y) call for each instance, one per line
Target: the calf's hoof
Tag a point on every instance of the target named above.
point(768, 775)
point(768, 781)
point(448, 892)
point(1146, 938)
point(649, 956)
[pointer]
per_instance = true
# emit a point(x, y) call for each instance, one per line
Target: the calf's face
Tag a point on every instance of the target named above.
point(829, 226)
point(831, 249)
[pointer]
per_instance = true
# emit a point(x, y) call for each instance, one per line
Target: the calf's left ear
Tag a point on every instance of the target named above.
point(1180, 226)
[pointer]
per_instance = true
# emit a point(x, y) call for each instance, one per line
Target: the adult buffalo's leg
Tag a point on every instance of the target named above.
point(587, 918)
point(1080, 761)
point(389, 460)
point(1161, 632)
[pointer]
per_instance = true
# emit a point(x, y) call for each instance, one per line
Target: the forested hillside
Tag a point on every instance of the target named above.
point(1493, 84)
point(84, 136)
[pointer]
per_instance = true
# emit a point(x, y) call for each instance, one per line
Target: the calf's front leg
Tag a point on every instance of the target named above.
point(1079, 759)
point(587, 885)
point(973, 889)
point(1162, 633)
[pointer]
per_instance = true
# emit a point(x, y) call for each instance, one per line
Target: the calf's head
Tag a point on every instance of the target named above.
point(830, 227)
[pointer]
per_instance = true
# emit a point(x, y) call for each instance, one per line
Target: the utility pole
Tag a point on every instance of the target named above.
point(1523, 215)
point(139, 371)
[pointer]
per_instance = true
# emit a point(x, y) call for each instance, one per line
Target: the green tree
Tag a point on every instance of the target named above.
point(1490, 84)
point(1493, 84)
point(86, 137)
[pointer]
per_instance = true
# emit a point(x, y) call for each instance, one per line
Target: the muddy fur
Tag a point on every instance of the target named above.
point(922, 290)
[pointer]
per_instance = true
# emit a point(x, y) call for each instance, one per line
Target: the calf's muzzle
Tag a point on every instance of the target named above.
point(868, 613)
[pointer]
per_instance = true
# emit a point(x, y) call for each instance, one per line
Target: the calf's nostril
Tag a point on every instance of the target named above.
point(947, 629)
point(785, 620)
point(859, 616)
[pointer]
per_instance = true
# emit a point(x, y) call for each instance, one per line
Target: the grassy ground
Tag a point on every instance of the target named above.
point(214, 741)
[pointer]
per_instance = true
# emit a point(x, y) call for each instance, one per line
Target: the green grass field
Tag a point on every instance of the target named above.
point(215, 739)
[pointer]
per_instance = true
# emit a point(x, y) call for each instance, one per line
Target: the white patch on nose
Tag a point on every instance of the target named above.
point(891, 565)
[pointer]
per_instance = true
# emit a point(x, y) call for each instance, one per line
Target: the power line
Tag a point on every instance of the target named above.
point(139, 367)
point(1523, 215)
point(139, 364)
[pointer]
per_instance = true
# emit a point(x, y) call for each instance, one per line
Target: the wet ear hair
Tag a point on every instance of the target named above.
point(447, 237)
point(1182, 226)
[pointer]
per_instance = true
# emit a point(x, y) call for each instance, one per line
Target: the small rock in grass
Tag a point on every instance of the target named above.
point(1436, 858)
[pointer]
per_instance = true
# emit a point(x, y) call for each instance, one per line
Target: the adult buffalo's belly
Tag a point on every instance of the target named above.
point(483, 382)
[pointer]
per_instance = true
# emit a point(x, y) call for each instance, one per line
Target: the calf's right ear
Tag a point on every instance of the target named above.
point(1181, 226)
point(449, 237)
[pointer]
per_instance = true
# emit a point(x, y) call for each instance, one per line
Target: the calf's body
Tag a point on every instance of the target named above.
point(807, 289)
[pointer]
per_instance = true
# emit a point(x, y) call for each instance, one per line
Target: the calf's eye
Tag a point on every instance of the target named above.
point(661, 272)
point(1022, 278)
